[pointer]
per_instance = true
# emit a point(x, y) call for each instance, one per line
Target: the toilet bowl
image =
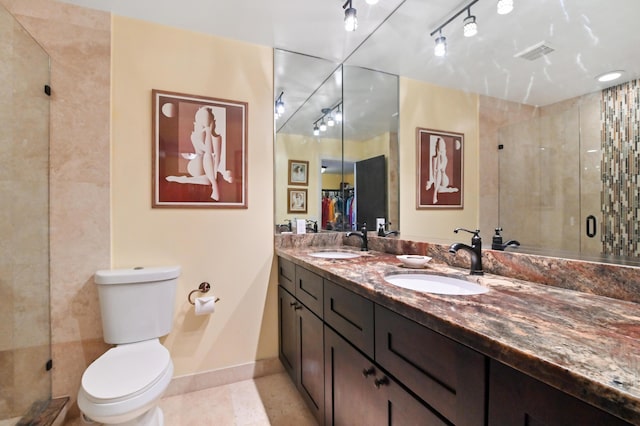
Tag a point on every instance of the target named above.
point(125, 384)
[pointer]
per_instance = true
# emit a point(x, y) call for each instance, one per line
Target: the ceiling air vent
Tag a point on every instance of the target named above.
point(536, 51)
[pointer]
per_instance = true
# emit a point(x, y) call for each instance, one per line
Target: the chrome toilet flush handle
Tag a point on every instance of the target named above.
point(202, 288)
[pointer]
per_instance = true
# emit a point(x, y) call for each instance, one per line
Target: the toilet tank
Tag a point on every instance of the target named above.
point(136, 304)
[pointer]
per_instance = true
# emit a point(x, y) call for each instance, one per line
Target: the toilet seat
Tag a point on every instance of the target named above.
point(125, 382)
point(125, 371)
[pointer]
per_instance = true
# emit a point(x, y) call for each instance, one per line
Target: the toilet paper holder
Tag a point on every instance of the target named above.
point(202, 288)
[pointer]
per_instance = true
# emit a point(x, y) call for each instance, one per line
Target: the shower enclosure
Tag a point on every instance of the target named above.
point(25, 337)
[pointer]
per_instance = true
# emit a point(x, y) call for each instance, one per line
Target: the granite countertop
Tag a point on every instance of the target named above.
point(583, 344)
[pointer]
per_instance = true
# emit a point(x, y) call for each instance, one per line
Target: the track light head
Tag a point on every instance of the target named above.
point(350, 17)
point(279, 106)
point(441, 46)
point(316, 131)
point(505, 6)
point(470, 26)
point(323, 126)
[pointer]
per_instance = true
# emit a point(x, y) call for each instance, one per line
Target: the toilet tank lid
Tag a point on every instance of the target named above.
point(137, 275)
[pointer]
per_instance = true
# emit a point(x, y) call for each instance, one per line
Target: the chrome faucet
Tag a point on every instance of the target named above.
point(362, 234)
point(475, 250)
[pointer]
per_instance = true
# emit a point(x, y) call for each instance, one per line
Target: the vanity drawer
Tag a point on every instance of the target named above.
point(350, 315)
point(308, 289)
point(287, 274)
point(446, 375)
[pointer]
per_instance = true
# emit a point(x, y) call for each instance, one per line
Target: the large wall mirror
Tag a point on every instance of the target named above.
point(341, 126)
point(558, 150)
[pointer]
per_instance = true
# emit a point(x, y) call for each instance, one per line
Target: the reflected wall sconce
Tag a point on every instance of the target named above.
point(320, 125)
point(504, 6)
point(279, 106)
point(350, 16)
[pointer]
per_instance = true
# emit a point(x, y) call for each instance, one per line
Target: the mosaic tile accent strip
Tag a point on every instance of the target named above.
point(620, 119)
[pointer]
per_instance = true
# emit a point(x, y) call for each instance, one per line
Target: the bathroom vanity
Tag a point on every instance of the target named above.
point(362, 351)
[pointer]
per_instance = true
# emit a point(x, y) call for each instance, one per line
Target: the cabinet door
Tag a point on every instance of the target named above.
point(359, 393)
point(447, 375)
point(350, 392)
point(287, 334)
point(311, 377)
point(517, 399)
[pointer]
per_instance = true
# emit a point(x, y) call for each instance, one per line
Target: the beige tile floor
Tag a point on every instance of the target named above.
point(270, 400)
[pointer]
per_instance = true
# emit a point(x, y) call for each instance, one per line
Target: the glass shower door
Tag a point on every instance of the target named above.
point(25, 347)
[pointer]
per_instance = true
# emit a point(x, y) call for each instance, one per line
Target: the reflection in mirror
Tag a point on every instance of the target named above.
point(371, 144)
point(565, 182)
point(310, 85)
point(346, 130)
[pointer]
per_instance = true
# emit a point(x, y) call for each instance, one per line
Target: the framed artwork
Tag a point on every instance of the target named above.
point(298, 172)
point(199, 152)
point(440, 169)
point(296, 200)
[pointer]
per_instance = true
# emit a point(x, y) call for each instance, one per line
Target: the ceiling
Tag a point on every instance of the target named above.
point(589, 37)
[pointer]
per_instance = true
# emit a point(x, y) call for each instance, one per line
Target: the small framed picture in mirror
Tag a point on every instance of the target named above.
point(297, 200)
point(298, 172)
point(440, 169)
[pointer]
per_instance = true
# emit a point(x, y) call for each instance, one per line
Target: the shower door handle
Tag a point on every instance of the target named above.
point(591, 226)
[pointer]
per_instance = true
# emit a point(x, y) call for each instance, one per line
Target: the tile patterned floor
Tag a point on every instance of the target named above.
point(270, 400)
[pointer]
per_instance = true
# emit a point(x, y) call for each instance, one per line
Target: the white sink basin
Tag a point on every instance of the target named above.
point(335, 254)
point(435, 284)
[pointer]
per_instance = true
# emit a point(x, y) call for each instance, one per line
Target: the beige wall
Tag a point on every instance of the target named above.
point(230, 248)
point(78, 42)
point(428, 106)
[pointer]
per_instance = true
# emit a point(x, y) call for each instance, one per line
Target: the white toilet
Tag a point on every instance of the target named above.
point(124, 385)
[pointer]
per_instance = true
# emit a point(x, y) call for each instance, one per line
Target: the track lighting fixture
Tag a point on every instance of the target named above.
point(441, 46)
point(504, 6)
point(332, 115)
point(470, 27)
point(279, 106)
point(350, 18)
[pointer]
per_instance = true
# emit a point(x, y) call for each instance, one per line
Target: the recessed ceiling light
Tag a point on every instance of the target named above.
point(609, 76)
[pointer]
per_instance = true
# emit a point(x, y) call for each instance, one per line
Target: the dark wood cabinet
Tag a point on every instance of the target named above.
point(301, 350)
point(517, 399)
point(358, 392)
point(287, 275)
point(351, 315)
point(287, 334)
point(358, 363)
point(301, 333)
point(449, 376)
